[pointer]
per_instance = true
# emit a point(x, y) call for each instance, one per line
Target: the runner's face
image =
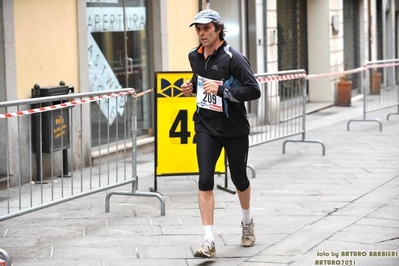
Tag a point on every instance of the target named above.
point(207, 34)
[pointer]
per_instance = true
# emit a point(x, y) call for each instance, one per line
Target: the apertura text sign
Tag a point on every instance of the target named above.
point(175, 152)
point(110, 19)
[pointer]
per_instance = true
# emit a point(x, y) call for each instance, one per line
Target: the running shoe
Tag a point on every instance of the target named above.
point(248, 234)
point(206, 250)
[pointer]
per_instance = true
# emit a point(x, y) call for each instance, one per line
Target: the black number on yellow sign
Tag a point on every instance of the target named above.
point(182, 120)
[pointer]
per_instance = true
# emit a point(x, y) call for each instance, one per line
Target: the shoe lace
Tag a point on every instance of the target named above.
point(207, 243)
point(247, 231)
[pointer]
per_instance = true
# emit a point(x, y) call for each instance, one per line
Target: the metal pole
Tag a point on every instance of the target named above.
point(125, 44)
point(303, 83)
point(134, 143)
point(364, 85)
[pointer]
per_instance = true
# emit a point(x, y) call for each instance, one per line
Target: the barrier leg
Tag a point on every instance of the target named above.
point(253, 172)
point(364, 120)
point(135, 193)
point(6, 257)
point(306, 141)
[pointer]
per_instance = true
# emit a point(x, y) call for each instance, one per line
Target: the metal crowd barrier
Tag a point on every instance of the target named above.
point(279, 113)
point(380, 86)
point(281, 110)
point(24, 190)
point(6, 257)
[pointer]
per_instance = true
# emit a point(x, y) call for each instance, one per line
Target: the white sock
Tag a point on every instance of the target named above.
point(209, 232)
point(246, 216)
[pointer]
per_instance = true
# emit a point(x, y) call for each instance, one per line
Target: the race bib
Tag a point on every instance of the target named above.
point(207, 100)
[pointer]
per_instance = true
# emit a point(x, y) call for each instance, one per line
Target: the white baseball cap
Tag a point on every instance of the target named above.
point(206, 16)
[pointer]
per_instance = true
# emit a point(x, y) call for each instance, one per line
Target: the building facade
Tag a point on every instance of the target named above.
point(44, 42)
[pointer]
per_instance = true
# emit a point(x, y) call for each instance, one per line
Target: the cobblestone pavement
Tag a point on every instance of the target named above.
point(309, 209)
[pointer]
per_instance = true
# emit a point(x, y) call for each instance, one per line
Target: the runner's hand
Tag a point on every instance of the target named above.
point(187, 88)
point(210, 86)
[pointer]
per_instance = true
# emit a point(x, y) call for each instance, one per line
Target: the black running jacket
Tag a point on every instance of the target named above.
point(239, 85)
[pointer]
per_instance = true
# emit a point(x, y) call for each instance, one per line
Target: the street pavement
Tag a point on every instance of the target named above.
point(338, 209)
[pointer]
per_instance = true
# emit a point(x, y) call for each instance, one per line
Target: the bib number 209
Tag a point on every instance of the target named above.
point(210, 98)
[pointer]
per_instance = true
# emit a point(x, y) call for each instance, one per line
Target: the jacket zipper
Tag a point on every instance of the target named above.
point(206, 62)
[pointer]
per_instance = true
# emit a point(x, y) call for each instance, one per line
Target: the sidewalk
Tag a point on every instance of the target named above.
point(309, 209)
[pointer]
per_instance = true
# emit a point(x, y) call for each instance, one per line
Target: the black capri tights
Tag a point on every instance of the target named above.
point(208, 152)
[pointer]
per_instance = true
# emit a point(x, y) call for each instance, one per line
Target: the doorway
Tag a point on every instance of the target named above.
point(118, 58)
point(292, 35)
point(352, 40)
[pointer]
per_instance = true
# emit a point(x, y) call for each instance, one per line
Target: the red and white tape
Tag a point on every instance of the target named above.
point(74, 103)
point(335, 74)
point(381, 65)
point(324, 75)
point(280, 78)
point(137, 95)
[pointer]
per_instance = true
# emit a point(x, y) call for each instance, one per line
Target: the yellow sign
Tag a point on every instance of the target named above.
point(175, 148)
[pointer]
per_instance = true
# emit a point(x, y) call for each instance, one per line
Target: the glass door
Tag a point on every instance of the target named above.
point(118, 58)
